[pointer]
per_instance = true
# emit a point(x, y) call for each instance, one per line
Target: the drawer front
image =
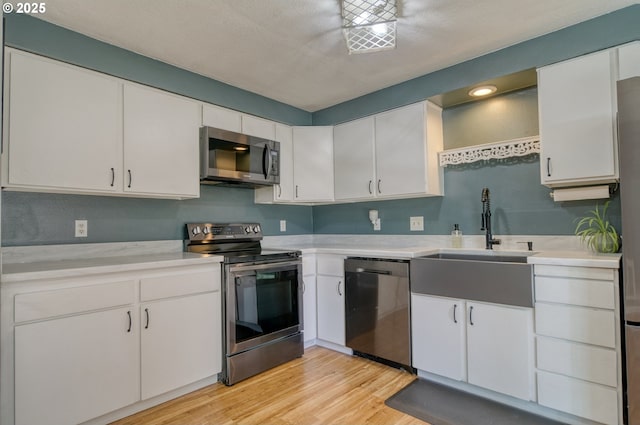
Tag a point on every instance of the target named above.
point(332, 265)
point(594, 364)
point(584, 292)
point(47, 304)
point(575, 272)
point(580, 398)
point(579, 324)
point(205, 279)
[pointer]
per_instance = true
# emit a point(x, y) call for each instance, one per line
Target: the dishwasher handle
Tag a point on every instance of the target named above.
point(363, 270)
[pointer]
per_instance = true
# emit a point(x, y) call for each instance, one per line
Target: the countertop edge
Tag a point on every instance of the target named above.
point(22, 272)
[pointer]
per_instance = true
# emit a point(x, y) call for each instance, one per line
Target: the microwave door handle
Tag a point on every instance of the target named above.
point(266, 160)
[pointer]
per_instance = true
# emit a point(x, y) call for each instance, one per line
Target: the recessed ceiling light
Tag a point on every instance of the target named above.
point(482, 91)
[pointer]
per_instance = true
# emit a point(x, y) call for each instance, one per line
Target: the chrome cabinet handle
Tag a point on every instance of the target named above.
point(296, 191)
point(549, 167)
point(455, 306)
point(146, 326)
point(338, 287)
point(379, 190)
point(471, 315)
point(130, 179)
point(279, 191)
point(370, 190)
point(129, 314)
point(113, 176)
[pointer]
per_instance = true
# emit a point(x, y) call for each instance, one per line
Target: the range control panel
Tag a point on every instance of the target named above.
point(225, 231)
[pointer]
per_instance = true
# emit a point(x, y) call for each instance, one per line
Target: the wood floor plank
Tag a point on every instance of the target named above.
point(322, 387)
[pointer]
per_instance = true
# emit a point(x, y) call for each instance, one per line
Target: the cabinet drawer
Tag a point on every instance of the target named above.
point(581, 361)
point(332, 265)
point(580, 398)
point(584, 292)
point(178, 284)
point(579, 324)
point(576, 272)
point(46, 304)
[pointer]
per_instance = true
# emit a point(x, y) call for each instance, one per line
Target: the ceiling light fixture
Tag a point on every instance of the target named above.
point(482, 91)
point(369, 25)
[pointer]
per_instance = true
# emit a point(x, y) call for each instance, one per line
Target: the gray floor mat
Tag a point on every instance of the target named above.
point(442, 405)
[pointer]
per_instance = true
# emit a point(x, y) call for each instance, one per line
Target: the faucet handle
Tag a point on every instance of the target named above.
point(529, 244)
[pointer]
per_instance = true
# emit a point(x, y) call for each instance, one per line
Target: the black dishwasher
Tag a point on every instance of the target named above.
point(377, 310)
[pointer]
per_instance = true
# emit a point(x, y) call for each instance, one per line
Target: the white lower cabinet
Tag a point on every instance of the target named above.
point(439, 336)
point(73, 369)
point(330, 298)
point(85, 347)
point(578, 348)
point(180, 342)
point(331, 311)
point(487, 345)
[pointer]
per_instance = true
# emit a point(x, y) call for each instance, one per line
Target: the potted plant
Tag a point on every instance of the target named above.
point(595, 230)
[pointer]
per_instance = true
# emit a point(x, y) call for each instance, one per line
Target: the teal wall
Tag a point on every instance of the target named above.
point(520, 204)
point(609, 30)
point(38, 218)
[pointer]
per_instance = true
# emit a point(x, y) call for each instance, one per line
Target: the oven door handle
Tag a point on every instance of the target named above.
point(267, 266)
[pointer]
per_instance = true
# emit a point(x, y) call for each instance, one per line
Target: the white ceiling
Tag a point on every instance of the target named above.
point(294, 51)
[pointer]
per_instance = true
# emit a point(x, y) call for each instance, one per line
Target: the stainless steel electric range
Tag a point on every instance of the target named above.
point(262, 293)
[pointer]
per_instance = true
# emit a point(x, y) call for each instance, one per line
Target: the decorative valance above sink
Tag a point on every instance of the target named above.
point(500, 150)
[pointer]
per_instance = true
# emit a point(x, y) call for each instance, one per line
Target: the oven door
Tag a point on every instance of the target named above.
point(263, 303)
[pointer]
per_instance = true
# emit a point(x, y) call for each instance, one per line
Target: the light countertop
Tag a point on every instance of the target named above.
point(17, 272)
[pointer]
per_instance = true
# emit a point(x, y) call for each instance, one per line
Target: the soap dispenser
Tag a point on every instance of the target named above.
point(456, 237)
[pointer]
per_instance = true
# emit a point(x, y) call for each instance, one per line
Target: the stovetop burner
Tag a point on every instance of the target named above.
point(237, 242)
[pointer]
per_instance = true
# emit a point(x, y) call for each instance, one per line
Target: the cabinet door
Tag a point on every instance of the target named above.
point(283, 191)
point(401, 151)
point(223, 118)
point(438, 336)
point(73, 369)
point(353, 159)
point(258, 127)
point(309, 307)
point(500, 348)
point(65, 127)
point(160, 143)
point(330, 290)
point(181, 342)
point(577, 116)
point(313, 163)
point(629, 61)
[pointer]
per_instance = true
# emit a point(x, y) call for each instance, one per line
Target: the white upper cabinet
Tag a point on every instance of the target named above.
point(72, 130)
point(283, 191)
point(64, 129)
point(226, 119)
point(629, 60)
point(313, 163)
point(258, 127)
point(160, 143)
point(576, 101)
point(390, 155)
point(354, 159)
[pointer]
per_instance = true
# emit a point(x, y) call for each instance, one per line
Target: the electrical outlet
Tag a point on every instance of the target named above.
point(82, 228)
point(416, 224)
point(283, 225)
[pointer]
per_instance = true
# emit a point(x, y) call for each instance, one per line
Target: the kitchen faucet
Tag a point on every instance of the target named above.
point(486, 220)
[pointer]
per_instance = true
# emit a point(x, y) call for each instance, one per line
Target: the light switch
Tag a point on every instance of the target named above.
point(416, 224)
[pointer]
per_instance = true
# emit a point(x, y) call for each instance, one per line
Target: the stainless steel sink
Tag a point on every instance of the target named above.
point(495, 278)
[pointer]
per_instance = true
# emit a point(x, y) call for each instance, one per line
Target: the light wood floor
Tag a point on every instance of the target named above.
point(322, 387)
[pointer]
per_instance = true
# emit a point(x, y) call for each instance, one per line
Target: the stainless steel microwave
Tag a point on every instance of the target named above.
point(236, 159)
